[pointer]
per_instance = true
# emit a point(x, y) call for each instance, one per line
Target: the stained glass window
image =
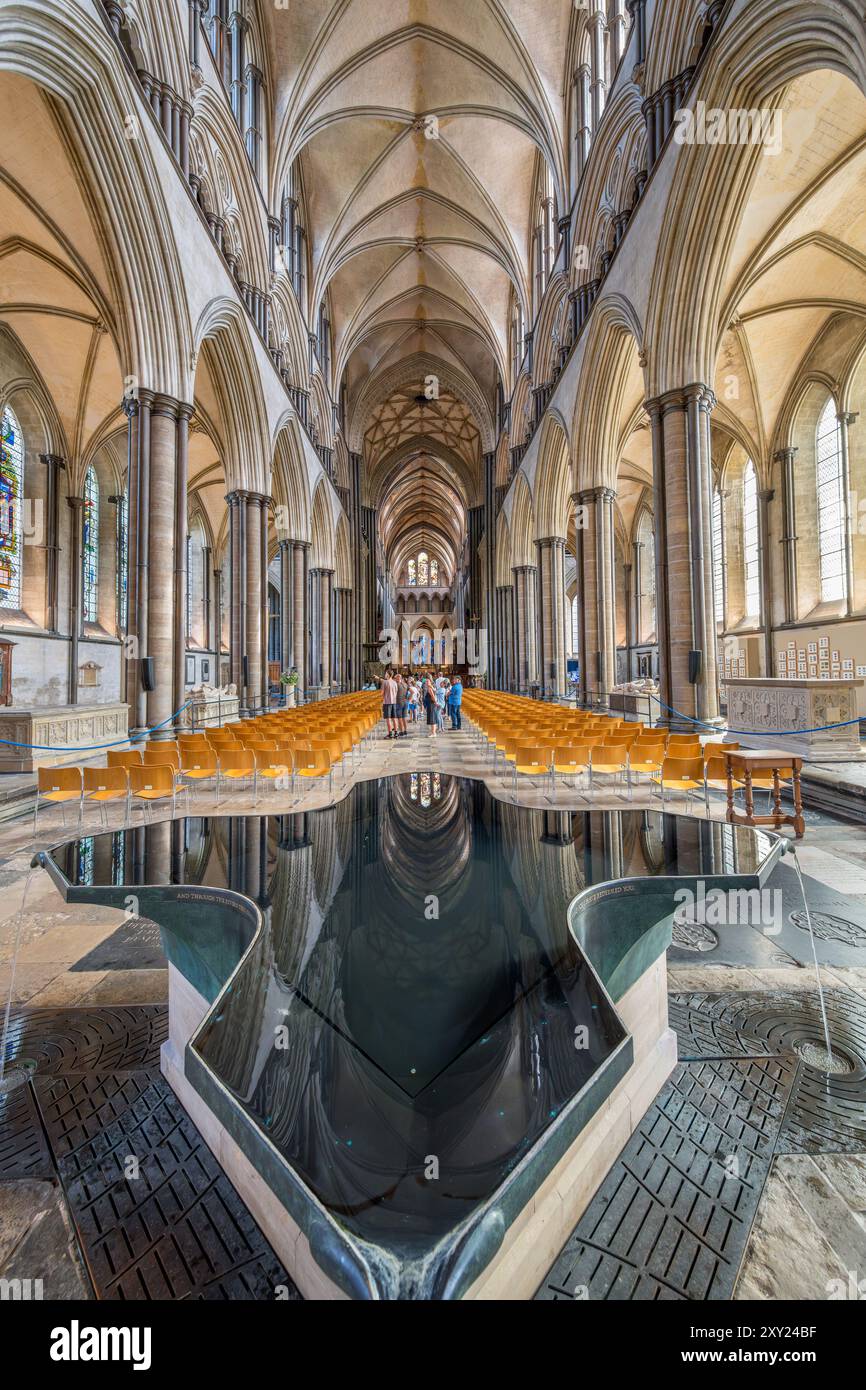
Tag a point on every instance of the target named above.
point(91, 547)
point(188, 584)
point(11, 489)
point(423, 568)
point(751, 545)
point(122, 563)
point(831, 505)
point(413, 572)
point(434, 571)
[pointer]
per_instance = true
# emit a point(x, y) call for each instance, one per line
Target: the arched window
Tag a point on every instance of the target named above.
point(830, 479)
point(122, 562)
point(11, 491)
point(544, 243)
point(423, 568)
point(434, 571)
point(718, 557)
point(751, 543)
point(189, 586)
point(646, 557)
point(575, 626)
point(90, 547)
point(413, 572)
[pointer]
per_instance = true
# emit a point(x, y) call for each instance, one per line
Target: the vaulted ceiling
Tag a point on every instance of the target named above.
point(417, 127)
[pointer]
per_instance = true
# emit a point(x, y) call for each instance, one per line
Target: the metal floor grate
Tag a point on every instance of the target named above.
point(155, 1216)
point(672, 1218)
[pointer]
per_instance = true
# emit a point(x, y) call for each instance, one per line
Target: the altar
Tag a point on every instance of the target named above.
point(762, 708)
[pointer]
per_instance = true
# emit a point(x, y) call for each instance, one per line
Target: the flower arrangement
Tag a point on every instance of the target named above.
point(289, 678)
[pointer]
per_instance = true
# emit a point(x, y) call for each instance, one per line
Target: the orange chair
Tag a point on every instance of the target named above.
point(103, 785)
point(570, 761)
point(60, 786)
point(274, 765)
point(236, 765)
point(530, 760)
point(683, 775)
point(124, 757)
point(151, 784)
point(314, 763)
point(610, 760)
point(162, 755)
point(198, 765)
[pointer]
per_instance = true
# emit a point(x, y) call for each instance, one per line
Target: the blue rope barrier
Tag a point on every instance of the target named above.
point(96, 747)
point(774, 733)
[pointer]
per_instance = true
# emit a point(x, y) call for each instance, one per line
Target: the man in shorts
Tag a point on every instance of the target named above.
point(389, 704)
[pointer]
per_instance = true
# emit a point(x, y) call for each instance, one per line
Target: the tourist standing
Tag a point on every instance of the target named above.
point(430, 706)
point(389, 704)
point(455, 700)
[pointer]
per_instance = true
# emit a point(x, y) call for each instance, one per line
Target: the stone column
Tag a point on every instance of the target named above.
point(315, 594)
point(76, 530)
point(326, 622)
point(526, 624)
point(765, 497)
point(682, 478)
point(520, 654)
point(254, 601)
point(138, 412)
point(605, 591)
point(629, 588)
point(785, 458)
point(551, 601)
point(217, 623)
point(161, 631)
point(299, 612)
point(489, 464)
point(52, 527)
point(287, 629)
point(355, 664)
point(181, 578)
point(265, 503)
point(237, 589)
point(595, 560)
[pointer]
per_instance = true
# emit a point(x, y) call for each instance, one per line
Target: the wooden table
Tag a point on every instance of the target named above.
point(742, 763)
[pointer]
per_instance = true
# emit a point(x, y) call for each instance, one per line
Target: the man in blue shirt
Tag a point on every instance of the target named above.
point(455, 700)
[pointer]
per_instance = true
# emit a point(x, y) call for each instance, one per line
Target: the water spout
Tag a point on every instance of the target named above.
point(791, 849)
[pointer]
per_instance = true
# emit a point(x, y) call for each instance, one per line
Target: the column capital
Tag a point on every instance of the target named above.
point(786, 455)
point(168, 406)
point(52, 460)
point(848, 417)
point(680, 398)
point(525, 569)
point(551, 540)
point(129, 406)
point(75, 502)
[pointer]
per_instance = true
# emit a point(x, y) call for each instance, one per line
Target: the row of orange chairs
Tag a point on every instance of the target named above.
point(546, 741)
point(276, 749)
